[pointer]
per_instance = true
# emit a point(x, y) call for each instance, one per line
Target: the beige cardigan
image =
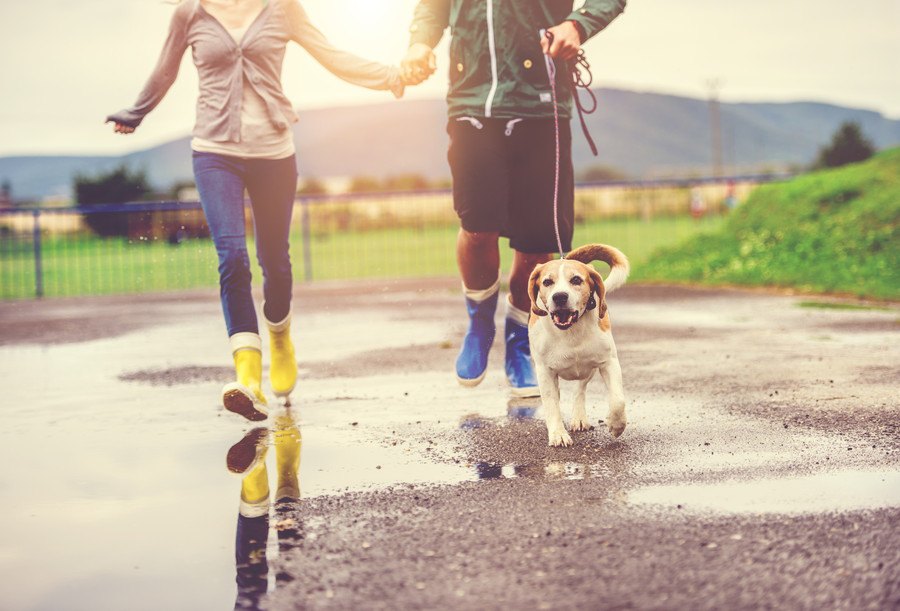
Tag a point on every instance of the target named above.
point(223, 65)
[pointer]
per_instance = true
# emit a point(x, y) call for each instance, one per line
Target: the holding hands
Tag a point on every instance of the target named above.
point(419, 64)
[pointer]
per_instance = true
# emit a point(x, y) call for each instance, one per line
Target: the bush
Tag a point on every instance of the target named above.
point(402, 182)
point(312, 186)
point(118, 186)
point(601, 173)
point(848, 145)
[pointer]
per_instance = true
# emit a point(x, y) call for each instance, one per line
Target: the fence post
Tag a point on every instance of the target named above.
point(307, 241)
point(38, 262)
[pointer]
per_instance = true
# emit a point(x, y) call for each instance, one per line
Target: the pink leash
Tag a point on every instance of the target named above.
point(581, 78)
point(551, 74)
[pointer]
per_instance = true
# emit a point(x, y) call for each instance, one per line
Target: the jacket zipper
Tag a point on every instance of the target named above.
point(492, 45)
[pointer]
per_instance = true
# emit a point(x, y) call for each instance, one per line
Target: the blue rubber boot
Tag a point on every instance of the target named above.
point(519, 369)
point(471, 364)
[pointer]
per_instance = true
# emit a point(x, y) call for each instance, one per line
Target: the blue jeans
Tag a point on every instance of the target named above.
point(271, 185)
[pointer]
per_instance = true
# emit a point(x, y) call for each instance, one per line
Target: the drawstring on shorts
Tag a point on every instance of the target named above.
point(510, 126)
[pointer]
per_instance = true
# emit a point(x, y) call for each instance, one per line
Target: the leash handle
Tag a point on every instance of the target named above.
point(551, 74)
point(580, 67)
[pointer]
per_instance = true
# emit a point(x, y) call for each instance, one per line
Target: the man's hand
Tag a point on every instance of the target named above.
point(566, 42)
point(419, 64)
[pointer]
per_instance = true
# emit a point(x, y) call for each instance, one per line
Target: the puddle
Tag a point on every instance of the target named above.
point(117, 491)
point(548, 471)
point(824, 492)
point(332, 463)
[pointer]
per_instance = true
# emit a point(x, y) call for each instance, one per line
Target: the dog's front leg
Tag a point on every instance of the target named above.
point(612, 375)
point(556, 429)
point(579, 413)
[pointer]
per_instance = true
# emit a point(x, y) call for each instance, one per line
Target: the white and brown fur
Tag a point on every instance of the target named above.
point(571, 335)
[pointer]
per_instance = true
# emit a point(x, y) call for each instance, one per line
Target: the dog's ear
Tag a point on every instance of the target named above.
point(534, 288)
point(595, 280)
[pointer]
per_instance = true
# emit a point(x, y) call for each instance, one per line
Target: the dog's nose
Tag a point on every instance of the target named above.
point(560, 298)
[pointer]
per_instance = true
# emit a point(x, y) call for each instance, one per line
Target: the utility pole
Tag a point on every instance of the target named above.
point(715, 124)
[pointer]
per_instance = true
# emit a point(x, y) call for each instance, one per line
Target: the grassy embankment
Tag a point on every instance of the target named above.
point(831, 231)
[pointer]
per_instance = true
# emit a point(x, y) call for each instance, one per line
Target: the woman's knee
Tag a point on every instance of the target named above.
point(234, 260)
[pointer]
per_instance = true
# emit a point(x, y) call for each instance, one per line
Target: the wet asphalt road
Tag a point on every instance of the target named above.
point(760, 468)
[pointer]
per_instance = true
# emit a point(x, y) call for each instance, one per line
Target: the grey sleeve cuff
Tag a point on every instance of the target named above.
point(126, 117)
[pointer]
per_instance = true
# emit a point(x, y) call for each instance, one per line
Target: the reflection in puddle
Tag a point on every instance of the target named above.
point(517, 410)
point(268, 520)
point(257, 513)
point(523, 408)
point(549, 471)
point(836, 491)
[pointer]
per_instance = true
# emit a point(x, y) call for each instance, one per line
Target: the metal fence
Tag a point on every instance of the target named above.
point(162, 246)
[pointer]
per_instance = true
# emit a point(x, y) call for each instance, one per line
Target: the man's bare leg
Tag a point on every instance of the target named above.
point(478, 257)
point(522, 266)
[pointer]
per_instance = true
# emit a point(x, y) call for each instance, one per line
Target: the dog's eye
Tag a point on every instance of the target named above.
point(547, 282)
point(575, 281)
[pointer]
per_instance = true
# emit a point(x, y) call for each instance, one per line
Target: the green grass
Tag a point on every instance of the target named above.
point(837, 305)
point(91, 266)
point(832, 231)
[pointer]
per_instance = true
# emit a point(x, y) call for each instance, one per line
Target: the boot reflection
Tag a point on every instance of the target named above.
point(256, 513)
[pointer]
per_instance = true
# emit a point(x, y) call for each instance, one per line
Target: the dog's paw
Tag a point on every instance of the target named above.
point(579, 425)
point(559, 438)
point(615, 423)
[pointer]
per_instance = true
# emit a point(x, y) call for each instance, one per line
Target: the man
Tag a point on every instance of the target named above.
point(503, 151)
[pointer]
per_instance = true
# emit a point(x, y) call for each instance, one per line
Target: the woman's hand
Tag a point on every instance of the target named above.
point(121, 128)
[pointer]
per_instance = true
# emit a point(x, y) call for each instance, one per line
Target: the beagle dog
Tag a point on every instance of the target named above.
point(571, 338)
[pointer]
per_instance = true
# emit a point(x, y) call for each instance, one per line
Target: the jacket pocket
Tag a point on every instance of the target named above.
point(531, 68)
point(457, 65)
point(469, 68)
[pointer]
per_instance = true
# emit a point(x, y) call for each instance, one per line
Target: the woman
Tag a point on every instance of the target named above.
point(243, 140)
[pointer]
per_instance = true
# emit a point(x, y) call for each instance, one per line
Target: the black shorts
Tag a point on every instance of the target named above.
point(503, 180)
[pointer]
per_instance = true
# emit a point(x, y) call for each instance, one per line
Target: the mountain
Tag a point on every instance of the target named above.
point(640, 133)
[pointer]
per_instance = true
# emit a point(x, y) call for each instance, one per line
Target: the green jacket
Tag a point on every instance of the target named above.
point(497, 68)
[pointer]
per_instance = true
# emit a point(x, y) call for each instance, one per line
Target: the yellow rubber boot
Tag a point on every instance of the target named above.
point(255, 491)
point(283, 368)
point(287, 457)
point(245, 397)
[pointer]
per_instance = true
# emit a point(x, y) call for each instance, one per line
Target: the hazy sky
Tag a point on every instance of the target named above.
point(67, 64)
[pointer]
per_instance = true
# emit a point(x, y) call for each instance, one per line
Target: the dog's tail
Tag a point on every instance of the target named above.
point(617, 261)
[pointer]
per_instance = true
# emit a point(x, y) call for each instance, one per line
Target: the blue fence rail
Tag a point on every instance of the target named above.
point(164, 245)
